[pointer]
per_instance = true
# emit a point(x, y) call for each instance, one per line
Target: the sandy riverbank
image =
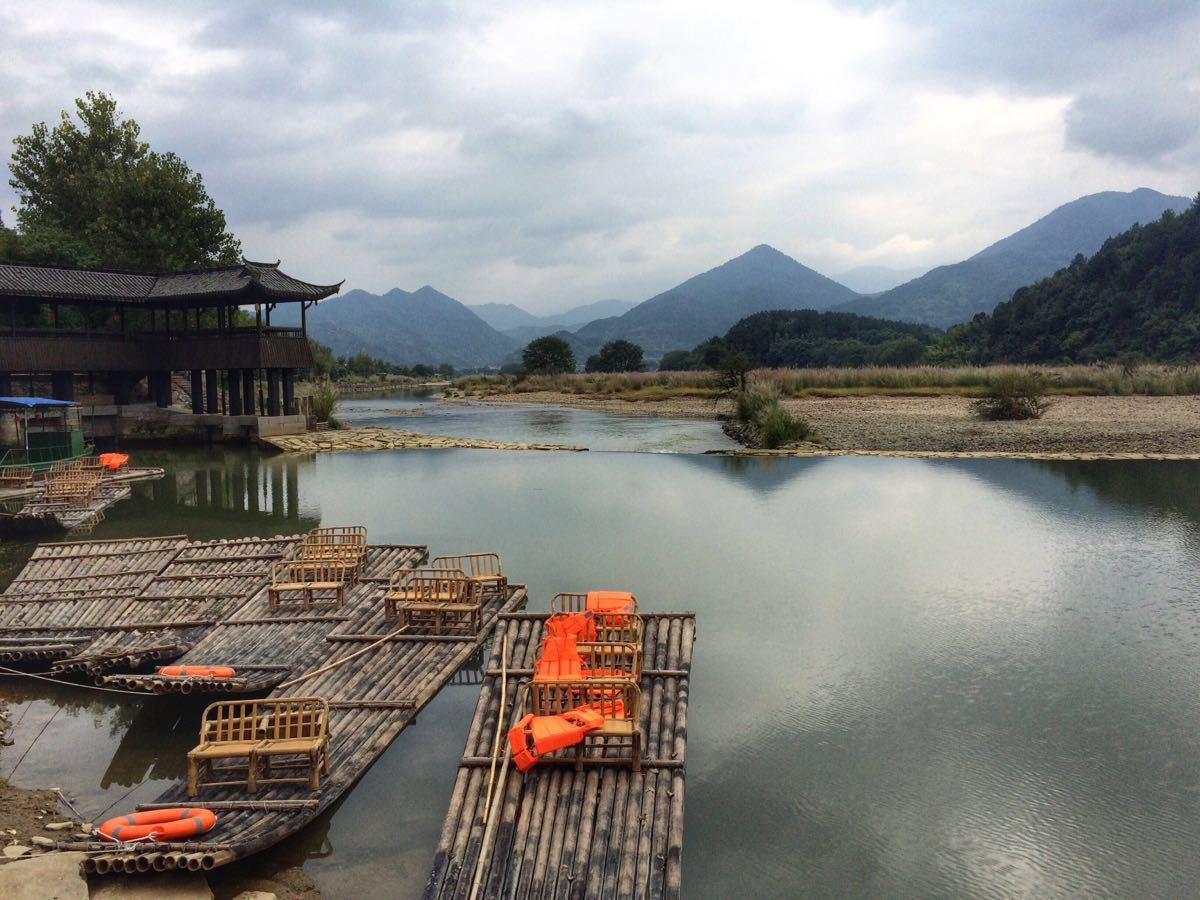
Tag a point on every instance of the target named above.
point(1100, 426)
point(391, 439)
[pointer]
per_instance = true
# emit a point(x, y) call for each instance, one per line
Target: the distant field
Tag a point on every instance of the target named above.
point(1111, 380)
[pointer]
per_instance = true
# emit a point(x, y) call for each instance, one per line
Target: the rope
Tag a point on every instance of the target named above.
point(345, 659)
point(89, 687)
point(32, 743)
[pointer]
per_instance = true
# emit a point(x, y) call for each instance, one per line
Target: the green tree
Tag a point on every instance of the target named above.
point(616, 356)
point(95, 194)
point(549, 355)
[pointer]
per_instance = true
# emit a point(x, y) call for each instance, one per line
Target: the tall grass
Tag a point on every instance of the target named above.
point(972, 381)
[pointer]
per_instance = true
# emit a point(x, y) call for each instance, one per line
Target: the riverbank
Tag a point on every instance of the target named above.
point(1113, 426)
point(391, 439)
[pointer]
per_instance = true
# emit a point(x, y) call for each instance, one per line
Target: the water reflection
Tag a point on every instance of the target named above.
point(914, 677)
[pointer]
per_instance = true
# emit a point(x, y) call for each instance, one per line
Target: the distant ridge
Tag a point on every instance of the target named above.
point(424, 326)
point(951, 294)
point(709, 303)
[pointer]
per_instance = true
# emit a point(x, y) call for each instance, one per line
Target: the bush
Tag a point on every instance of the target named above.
point(750, 405)
point(779, 427)
point(1014, 396)
point(322, 401)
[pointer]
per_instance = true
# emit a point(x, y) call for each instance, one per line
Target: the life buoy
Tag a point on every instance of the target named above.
point(197, 671)
point(535, 736)
point(172, 824)
point(558, 661)
point(579, 625)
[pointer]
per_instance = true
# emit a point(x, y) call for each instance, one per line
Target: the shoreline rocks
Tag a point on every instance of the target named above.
point(375, 438)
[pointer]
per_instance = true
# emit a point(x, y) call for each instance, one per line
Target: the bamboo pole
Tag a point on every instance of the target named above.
point(487, 803)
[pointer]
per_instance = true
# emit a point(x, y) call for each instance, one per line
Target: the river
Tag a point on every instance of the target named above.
point(912, 677)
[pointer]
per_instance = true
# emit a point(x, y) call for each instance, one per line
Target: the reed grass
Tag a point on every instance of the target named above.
point(971, 381)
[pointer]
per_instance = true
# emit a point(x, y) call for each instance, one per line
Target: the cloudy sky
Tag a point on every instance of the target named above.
point(556, 153)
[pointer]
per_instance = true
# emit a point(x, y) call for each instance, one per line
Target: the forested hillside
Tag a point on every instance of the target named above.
point(1140, 295)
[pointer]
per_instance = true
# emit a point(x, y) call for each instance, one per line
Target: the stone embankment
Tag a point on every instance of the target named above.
point(391, 439)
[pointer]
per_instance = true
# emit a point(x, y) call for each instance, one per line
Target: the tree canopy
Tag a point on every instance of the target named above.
point(549, 355)
point(93, 193)
point(616, 356)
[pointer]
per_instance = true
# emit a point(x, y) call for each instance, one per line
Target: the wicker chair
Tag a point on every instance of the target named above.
point(619, 740)
point(484, 569)
point(443, 600)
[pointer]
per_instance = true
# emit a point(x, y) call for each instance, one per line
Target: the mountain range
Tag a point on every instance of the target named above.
point(951, 294)
point(426, 326)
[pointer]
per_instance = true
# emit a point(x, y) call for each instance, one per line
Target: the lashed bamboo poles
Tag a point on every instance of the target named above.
point(374, 696)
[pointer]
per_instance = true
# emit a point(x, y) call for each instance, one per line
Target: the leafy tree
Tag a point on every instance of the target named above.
point(95, 194)
point(616, 356)
point(675, 361)
point(549, 355)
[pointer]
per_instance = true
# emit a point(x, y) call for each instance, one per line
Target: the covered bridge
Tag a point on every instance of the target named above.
point(121, 327)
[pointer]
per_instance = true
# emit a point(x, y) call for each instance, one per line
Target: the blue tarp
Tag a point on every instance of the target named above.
point(31, 402)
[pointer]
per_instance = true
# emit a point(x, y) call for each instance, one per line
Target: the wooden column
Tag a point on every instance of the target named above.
point(63, 385)
point(248, 391)
point(5, 385)
point(273, 392)
point(162, 390)
point(210, 390)
point(289, 392)
point(197, 393)
point(233, 379)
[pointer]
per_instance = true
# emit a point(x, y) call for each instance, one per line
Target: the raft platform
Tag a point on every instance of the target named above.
point(96, 609)
point(604, 831)
point(39, 515)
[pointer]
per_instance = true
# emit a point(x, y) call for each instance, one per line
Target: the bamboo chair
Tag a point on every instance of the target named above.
point(619, 740)
point(310, 582)
point(296, 728)
point(484, 569)
point(611, 628)
point(440, 599)
point(16, 477)
point(74, 488)
point(339, 544)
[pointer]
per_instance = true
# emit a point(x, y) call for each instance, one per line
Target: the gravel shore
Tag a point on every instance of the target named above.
point(1072, 425)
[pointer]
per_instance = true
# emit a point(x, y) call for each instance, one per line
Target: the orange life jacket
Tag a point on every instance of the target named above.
point(113, 461)
point(535, 736)
point(558, 661)
point(611, 607)
point(580, 625)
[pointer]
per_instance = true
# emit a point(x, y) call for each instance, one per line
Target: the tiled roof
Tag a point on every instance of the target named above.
point(254, 280)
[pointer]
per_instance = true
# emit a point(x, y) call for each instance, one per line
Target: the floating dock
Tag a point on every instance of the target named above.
point(97, 609)
point(605, 831)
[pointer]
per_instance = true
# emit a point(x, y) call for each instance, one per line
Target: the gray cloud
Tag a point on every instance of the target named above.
point(539, 152)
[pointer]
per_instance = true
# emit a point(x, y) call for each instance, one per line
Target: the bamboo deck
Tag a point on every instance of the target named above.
point(602, 832)
point(95, 607)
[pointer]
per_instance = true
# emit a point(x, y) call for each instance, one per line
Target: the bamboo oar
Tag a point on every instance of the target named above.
point(487, 804)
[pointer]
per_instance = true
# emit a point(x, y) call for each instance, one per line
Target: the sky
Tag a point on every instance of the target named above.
point(549, 154)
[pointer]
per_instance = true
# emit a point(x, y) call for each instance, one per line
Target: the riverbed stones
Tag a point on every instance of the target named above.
point(16, 851)
point(392, 439)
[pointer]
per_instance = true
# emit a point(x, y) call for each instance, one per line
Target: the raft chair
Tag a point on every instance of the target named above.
point(16, 477)
point(253, 733)
point(618, 741)
point(310, 582)
point(563, 658)
point(338, 544)
point(607, 626)
point(73, 488)
point(444, 600)
point(482, 568)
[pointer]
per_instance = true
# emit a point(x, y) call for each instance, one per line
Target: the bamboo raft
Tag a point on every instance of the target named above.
point(605, 831)
point(42, 513)
point(98, 606)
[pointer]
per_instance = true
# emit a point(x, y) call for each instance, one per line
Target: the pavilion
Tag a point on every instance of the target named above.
point(122, 327)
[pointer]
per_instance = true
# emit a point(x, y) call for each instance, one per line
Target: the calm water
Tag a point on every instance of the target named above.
point(536, 423)
point(912, 678)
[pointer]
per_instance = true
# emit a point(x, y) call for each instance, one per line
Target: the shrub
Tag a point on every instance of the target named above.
point(778, 427)
point(322, 401)
point(1014, 396)
point(750, 405)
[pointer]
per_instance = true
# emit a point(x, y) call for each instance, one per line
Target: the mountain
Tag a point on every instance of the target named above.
point(707, 304)
point(951, 294)
point(1139, 295)
point(876, 279)
point(589, 312)
point(503, 316)
point(424, 326)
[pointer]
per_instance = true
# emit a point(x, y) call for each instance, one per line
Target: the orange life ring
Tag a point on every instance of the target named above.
point(162, 824)
point(197, 671)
